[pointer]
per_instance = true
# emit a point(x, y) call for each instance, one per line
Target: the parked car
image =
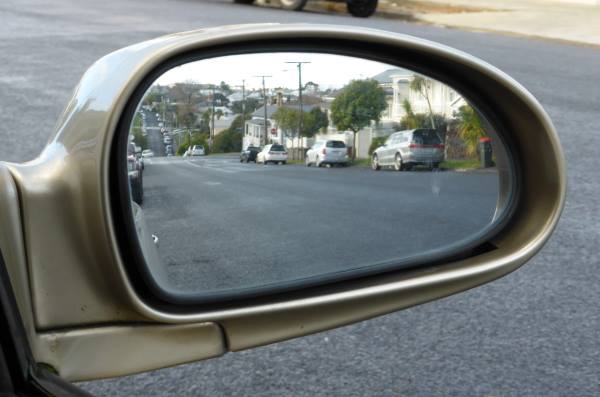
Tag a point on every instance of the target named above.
point(327, 152)
point(273, 153)
point(196, 150)
point(135, 180)
point(249, 154)
point(132, 151)
point(357, 8)
point(405, 149)
point(147, 153)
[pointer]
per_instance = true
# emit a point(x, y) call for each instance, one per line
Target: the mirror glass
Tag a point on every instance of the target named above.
point(270, 170)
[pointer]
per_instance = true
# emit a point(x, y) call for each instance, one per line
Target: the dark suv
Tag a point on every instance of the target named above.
point(249, 154)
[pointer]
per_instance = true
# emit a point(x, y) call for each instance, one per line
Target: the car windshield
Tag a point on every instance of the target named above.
point(426, 137)
point(277, 148)
point(336, 144)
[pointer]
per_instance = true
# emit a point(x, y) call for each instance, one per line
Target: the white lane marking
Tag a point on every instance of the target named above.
point(211, 183)
point(209, 167)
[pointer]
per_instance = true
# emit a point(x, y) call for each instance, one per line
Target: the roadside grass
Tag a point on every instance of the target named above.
point(360, 163)
point(460, 164)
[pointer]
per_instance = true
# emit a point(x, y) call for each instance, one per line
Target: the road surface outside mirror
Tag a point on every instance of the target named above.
point(258, 169)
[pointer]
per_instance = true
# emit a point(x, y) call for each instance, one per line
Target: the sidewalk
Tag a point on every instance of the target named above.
point(566, 20)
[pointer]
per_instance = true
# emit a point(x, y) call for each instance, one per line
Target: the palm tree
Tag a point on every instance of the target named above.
point(470, 128)
point(421, 85)
point(409, 120)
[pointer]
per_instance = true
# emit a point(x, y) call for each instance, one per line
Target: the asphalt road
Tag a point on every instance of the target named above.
point(535, 332)
point(260, 224)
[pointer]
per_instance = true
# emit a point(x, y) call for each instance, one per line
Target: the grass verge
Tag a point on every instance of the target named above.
point(460, 164)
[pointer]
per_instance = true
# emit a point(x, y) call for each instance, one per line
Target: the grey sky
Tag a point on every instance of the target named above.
point(329, 71)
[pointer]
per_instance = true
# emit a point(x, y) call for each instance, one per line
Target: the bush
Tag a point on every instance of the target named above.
point(375, 143)
point(197, 139)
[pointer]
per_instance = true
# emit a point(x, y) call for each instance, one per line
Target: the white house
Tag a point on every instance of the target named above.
point(255, 127)
point(442, 98)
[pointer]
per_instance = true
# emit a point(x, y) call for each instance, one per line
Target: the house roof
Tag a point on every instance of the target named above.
point(386, 76)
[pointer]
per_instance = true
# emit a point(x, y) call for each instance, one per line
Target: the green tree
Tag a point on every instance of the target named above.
point(287, 119)
point(186, 115)
point(225, 88)
point(136, 130)
point(375, 143)
point(314, 121)
point(251, 105)
point(230, 140)
point(470, 128)
point(412, 120)
point(197, 139)
point(359, 103)
point(422, 86)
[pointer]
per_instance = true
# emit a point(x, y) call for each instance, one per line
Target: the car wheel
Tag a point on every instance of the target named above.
point(375, 163)
point(295, 5)
point(398, 166)
point(283, 162)
point(361, 8)
point(243, 1)
point(241, 160)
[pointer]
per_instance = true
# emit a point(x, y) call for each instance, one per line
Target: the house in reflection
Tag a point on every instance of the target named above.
point(396, 82)
point(255, 127)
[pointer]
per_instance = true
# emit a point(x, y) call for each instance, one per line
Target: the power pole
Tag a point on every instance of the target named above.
point(265, 106)
point(212, 128)
point(300, 107)
point(244, 99)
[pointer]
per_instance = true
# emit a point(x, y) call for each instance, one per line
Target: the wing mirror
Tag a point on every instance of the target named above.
point(251, 255)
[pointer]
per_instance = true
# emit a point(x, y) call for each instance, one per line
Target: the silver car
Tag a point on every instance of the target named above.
point(405, 149)
point(327, 152)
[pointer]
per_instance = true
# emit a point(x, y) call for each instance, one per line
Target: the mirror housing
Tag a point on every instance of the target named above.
point(71, 186)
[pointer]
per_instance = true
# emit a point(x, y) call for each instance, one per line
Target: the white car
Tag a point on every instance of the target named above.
point(147, 153)
point(196, 150)
point(273, 153)
point(327, 152)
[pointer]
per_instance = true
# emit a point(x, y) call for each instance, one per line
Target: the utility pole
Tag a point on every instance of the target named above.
point(265, 106)
point(244, 99)
point(212, 127)
point(299, 66)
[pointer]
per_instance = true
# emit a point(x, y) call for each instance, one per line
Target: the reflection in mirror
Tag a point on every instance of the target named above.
point(269, 169)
